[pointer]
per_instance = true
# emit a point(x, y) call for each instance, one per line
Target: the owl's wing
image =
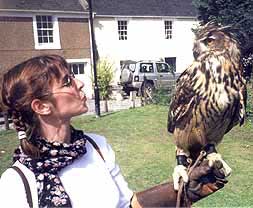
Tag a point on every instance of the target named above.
point(182, 101)
point(187, 97)
point(243, 103)
point(239, 108)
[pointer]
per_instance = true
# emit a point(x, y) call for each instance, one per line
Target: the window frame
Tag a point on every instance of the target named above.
point(168, 30)
point(56, 34)
point(159, 67)
point(125, 36)
point(148, 70)
point(85, 62)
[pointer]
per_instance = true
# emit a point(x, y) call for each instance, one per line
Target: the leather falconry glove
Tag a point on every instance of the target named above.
point(203, 181)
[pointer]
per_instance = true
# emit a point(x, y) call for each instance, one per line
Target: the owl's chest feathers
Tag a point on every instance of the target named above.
point(216, 84)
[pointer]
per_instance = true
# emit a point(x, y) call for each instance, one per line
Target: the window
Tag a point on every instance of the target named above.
point(122, 29)
point(128, 64)
point(172, 62)
point(168, 29)
point(146, 68)
point(46, 32)
point(77, 68)
point(45, 29)
point(163, 68)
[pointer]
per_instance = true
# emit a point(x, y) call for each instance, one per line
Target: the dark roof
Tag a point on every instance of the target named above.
point(182, 8)
point(49, 5)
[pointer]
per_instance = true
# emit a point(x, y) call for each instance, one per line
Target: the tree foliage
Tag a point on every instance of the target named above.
point(238, 14)
point(104, 78)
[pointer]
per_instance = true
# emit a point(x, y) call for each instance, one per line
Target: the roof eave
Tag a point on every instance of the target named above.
point(85, 13)
point(147, 16)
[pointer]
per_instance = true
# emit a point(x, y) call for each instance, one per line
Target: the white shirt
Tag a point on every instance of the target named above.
point(89, 181)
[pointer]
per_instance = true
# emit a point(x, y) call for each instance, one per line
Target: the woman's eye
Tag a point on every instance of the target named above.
point(68, 81)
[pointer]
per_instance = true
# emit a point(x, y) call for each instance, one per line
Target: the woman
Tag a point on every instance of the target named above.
point(64, 167)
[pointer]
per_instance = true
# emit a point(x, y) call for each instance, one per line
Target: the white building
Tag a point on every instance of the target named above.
point(145, 30)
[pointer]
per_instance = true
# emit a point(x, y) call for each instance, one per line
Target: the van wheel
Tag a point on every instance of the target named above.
point(147, 91)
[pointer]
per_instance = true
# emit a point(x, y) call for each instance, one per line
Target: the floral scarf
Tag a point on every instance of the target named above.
point(54, 156)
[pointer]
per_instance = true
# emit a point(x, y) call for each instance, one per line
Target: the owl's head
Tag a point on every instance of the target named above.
point(212, 39)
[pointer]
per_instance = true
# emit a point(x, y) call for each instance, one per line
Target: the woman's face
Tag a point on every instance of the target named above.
point(68, 98)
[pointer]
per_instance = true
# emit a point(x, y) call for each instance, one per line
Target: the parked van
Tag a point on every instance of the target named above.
point(145, 76)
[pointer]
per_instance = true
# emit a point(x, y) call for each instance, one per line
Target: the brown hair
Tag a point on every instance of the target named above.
point(25, 82)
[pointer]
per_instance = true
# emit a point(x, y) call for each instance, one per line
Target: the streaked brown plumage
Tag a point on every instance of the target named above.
point(210, 94)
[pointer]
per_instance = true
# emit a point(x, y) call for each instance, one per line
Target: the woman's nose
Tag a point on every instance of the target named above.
point(79, 84)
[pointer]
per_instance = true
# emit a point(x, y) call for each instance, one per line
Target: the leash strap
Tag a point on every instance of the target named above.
point(96, 147)
point(26, 184)
point(182, 186)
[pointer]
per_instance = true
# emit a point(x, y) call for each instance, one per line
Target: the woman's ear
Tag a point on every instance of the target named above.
point(41, 107)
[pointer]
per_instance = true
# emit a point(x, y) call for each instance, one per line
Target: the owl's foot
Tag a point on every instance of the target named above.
point(214, 159)
point(180, 171)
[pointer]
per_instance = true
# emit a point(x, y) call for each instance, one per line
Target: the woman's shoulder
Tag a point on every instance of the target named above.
point(11, 174)
point(8, 175)
point(104, 146)
point(11, 185)
point(100, 140)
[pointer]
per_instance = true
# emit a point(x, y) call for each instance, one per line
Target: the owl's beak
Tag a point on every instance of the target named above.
point(195, 55)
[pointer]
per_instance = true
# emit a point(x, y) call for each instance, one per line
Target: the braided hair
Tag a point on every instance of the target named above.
point(21, 128)
point(22, 84)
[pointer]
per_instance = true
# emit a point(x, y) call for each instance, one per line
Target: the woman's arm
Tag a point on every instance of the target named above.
point(162, 195)
point(125, 193)
point(203, 181)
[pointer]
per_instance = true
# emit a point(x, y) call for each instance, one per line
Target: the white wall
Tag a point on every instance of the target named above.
point(145, 41)
point(86, 78)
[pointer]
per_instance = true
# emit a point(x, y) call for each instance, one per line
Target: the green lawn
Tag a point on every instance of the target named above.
point(145, 152)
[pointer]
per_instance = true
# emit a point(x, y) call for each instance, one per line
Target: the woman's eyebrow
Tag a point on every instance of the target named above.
point(65, 78)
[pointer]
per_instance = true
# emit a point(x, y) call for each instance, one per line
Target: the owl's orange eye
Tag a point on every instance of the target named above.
point(208, 40)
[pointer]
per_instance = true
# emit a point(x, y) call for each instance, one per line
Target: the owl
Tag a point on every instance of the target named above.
point(209, 98)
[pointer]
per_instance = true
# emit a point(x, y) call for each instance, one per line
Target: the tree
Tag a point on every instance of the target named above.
point(104, 77)
point(238, 14)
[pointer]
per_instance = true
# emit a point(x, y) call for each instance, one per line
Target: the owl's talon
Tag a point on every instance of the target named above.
point(214, 158)
point(180, 171)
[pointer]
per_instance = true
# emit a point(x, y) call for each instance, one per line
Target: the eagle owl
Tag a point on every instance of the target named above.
point(209, 98)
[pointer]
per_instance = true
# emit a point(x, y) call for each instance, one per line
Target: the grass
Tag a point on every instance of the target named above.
point(145, 152)
point(8, 141)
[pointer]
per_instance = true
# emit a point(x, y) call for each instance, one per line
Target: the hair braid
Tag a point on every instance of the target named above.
point(20, 126)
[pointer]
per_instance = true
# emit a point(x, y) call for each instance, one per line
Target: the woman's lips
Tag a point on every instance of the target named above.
point(83, 96)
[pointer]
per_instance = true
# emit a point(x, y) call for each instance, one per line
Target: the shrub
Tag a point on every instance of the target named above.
point(104, 78)
point(161, 96)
